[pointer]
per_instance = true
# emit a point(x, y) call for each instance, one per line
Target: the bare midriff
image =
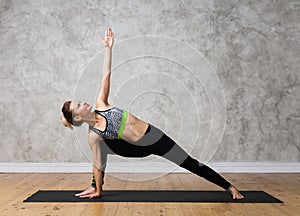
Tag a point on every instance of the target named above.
point(134, 128)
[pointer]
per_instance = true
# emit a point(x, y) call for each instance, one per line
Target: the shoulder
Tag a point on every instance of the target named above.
point(93, 137)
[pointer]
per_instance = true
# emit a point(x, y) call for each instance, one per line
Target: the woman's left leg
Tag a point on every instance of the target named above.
point(117, 147)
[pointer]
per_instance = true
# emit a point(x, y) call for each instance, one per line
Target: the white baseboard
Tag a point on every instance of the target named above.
point(146, 167)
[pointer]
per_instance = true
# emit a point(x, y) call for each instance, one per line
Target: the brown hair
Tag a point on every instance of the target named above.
point(67, 116)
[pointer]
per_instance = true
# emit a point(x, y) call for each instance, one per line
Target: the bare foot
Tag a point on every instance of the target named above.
point(235, 193)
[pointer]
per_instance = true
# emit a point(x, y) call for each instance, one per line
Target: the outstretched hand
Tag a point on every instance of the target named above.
point(108, 41)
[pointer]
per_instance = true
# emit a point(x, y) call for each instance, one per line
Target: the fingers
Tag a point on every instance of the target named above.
point(109, 38)
point(82, 193)
point(90, 196)
point(79, 194)
point(86, 192)
point(85, 196)
point(109, 32)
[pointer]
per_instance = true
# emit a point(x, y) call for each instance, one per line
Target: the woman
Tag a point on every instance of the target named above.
point(116, 130)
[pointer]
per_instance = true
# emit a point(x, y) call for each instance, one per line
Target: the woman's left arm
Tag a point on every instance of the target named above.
point(102, 98)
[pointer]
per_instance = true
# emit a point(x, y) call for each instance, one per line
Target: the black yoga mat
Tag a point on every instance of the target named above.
point(152, 196)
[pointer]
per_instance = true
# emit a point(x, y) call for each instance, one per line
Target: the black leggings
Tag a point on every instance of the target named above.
point(158, 143)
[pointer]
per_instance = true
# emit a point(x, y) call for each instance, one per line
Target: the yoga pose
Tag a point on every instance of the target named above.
point(115, 131)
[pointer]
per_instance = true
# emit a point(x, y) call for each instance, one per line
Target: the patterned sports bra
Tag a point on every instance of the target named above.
point(115, 123)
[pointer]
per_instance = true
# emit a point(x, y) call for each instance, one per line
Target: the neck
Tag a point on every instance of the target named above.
point(90, 119)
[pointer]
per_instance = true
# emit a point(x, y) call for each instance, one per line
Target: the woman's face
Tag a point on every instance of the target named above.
point(81, 109)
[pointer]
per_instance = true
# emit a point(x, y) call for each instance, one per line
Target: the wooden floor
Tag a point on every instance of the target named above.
point(14, 188)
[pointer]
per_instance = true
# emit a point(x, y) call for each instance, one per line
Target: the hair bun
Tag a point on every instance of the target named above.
point(65, 122)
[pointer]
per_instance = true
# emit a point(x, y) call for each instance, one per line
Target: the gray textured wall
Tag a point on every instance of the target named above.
point(50, 49)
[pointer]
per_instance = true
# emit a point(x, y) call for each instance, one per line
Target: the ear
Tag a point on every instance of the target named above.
point(77, 118)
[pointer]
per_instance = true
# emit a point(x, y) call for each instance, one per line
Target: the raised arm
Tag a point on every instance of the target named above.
point(102, 98)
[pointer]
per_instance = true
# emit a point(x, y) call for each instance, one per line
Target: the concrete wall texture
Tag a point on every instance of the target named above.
point(220, 77)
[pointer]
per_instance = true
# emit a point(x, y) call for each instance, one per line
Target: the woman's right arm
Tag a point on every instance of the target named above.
point(103, 163)
point(94, 140)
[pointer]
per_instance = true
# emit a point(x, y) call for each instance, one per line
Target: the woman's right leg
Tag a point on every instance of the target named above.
point(169, 149)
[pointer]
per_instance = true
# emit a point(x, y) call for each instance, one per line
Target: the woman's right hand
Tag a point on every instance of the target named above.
point(88, 191)
point(108, 41)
